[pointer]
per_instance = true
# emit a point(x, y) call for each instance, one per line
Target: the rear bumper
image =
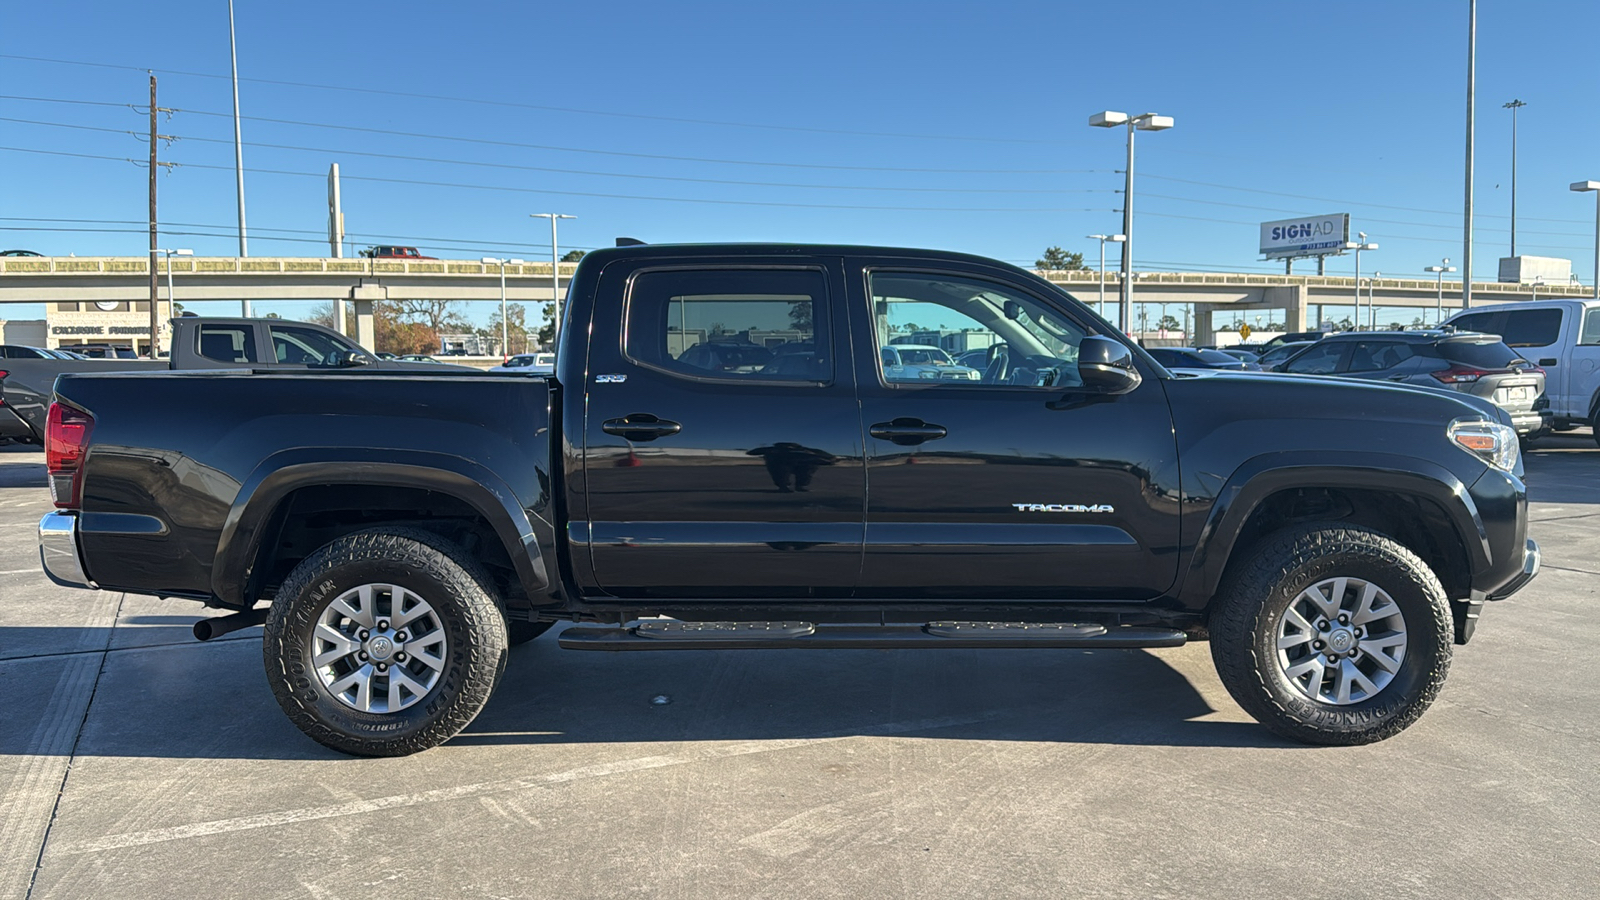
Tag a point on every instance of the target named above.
point(1530, 421)
point(58, 551)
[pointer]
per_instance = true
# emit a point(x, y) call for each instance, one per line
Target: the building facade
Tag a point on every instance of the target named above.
point(117, 323)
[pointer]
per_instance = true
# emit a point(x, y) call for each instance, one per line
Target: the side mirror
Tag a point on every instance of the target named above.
point(347, 359)
point(1106, 366)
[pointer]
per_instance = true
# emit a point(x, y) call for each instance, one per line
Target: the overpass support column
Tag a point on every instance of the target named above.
point(1203, 332)
point(364, 295)
point(1293, 300)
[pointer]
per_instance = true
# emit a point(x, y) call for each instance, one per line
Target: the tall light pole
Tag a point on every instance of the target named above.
point(155, 319)
point(1581, 186)
point(1141, 122)
point(1538, 282)
point(1514, 105)
point(1438, 308)
point(1359, 246)
point(1102, 238)
point(238, 142)
point(1472, 85)
point(505, 333)
point(555, 273)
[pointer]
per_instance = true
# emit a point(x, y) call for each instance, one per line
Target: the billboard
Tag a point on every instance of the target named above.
point(1305, 236)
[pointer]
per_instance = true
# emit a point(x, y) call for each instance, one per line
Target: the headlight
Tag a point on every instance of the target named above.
point(1494, 443)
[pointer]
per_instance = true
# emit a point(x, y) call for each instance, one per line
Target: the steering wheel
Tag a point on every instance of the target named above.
point(999, 368)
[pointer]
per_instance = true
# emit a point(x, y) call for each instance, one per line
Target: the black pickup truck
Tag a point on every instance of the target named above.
point(198, 342)
point(723, 460)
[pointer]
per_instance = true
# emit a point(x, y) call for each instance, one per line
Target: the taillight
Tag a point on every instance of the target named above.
point(66, 435)
point(1459, 375)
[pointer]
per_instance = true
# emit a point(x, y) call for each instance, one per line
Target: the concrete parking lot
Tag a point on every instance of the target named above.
point(135, 762)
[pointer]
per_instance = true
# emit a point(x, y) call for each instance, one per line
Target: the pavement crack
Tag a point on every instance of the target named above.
point(70, 653)
point(72, 756)
point(1566, 569)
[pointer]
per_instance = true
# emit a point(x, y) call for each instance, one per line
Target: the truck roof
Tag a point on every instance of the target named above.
point(642, 251)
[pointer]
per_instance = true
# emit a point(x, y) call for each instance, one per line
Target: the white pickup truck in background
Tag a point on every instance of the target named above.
point(1560, 336)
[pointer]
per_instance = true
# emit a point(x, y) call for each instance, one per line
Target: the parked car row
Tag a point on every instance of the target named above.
point(1539, 361)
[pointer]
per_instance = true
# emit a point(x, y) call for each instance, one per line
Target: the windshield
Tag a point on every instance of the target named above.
point(914, 356)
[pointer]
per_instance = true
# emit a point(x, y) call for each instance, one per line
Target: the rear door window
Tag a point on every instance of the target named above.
point(1375, 356)
point(1531, 327)
point(746, 325)
point(228, 343)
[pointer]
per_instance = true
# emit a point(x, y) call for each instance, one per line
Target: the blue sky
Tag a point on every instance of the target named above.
point(959, 126)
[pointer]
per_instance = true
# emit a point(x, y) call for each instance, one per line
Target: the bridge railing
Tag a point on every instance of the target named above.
point(267, 265)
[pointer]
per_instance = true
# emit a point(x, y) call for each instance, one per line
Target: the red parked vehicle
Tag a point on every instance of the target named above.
point(397, 253)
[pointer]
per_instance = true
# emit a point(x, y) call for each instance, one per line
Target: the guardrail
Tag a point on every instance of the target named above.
point(267, 265)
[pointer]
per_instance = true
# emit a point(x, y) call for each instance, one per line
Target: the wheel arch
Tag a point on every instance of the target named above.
point(254, 519)
point(1404, 497)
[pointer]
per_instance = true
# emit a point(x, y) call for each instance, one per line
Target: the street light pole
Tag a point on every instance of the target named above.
point(155, 330)
point(1102, 238)
point(1438, 309)
point(1141, 122)
point(238, 141)
point(1358, 247)
point(505, 338)
point(555, 273)
point(1582, 186)
point(1472, 84)
point(1514, 105)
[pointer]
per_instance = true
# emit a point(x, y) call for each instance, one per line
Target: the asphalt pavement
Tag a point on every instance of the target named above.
point(136, 762)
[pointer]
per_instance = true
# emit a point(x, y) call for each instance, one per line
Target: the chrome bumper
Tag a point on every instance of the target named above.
point(58, 551)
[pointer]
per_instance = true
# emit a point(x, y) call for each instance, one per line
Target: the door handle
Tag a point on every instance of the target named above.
point(907, 431)
point(1397, 378)
point(640, 427)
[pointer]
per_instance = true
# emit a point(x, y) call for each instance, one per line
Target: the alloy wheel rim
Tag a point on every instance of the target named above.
point(379, 648)
point(1341, 641)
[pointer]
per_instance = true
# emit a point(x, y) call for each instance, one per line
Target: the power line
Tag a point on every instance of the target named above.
point(588, 150)
point(561, 109)
point(1442, 212)
point(526, 190)
point(494, 165)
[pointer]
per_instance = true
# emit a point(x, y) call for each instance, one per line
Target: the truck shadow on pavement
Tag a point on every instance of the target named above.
point(211, 700)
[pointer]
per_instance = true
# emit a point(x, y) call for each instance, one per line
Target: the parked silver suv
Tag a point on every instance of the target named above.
point(1467, 361)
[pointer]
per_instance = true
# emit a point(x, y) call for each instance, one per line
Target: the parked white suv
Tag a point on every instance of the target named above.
point(1560, 336)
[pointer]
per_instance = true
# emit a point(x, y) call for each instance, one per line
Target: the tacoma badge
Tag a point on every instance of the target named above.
point(1064, 507)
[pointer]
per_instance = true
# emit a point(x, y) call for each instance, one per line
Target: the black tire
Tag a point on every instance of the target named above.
point(523, 631)
point(458, 591)
point(1255, 596)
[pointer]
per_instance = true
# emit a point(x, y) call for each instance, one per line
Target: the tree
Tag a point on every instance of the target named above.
point(516, 329)
point(1168, 323)
point(800, 315)
point(1057, 260)
point(572, 256)
point(438, 315)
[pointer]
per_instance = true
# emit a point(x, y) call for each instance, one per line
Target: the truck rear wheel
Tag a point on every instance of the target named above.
point(384, 642)
point(1332, 634)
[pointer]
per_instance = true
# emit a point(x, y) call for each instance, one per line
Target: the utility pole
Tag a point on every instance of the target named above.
point(155, 284)
point(1514, 105)
point(155, 287)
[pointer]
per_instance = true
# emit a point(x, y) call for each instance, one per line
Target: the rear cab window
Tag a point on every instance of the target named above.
point(228, 343)
point(733, 324)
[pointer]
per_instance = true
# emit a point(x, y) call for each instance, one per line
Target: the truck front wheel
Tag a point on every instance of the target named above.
point(1332, 634)
point(384, 642)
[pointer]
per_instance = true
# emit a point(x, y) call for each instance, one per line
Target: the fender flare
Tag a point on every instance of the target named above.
point(1262, 476)
point(261, 493)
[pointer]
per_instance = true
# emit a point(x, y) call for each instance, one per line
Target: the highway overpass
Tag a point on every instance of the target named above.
point(259, 279)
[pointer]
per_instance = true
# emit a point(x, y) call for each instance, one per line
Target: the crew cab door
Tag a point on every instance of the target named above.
point(721, 441)
point(1003, 483)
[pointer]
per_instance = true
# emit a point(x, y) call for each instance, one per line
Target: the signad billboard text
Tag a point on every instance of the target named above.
point(1305, 236)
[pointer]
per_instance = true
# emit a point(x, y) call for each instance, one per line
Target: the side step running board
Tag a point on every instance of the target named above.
point(675, 635)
